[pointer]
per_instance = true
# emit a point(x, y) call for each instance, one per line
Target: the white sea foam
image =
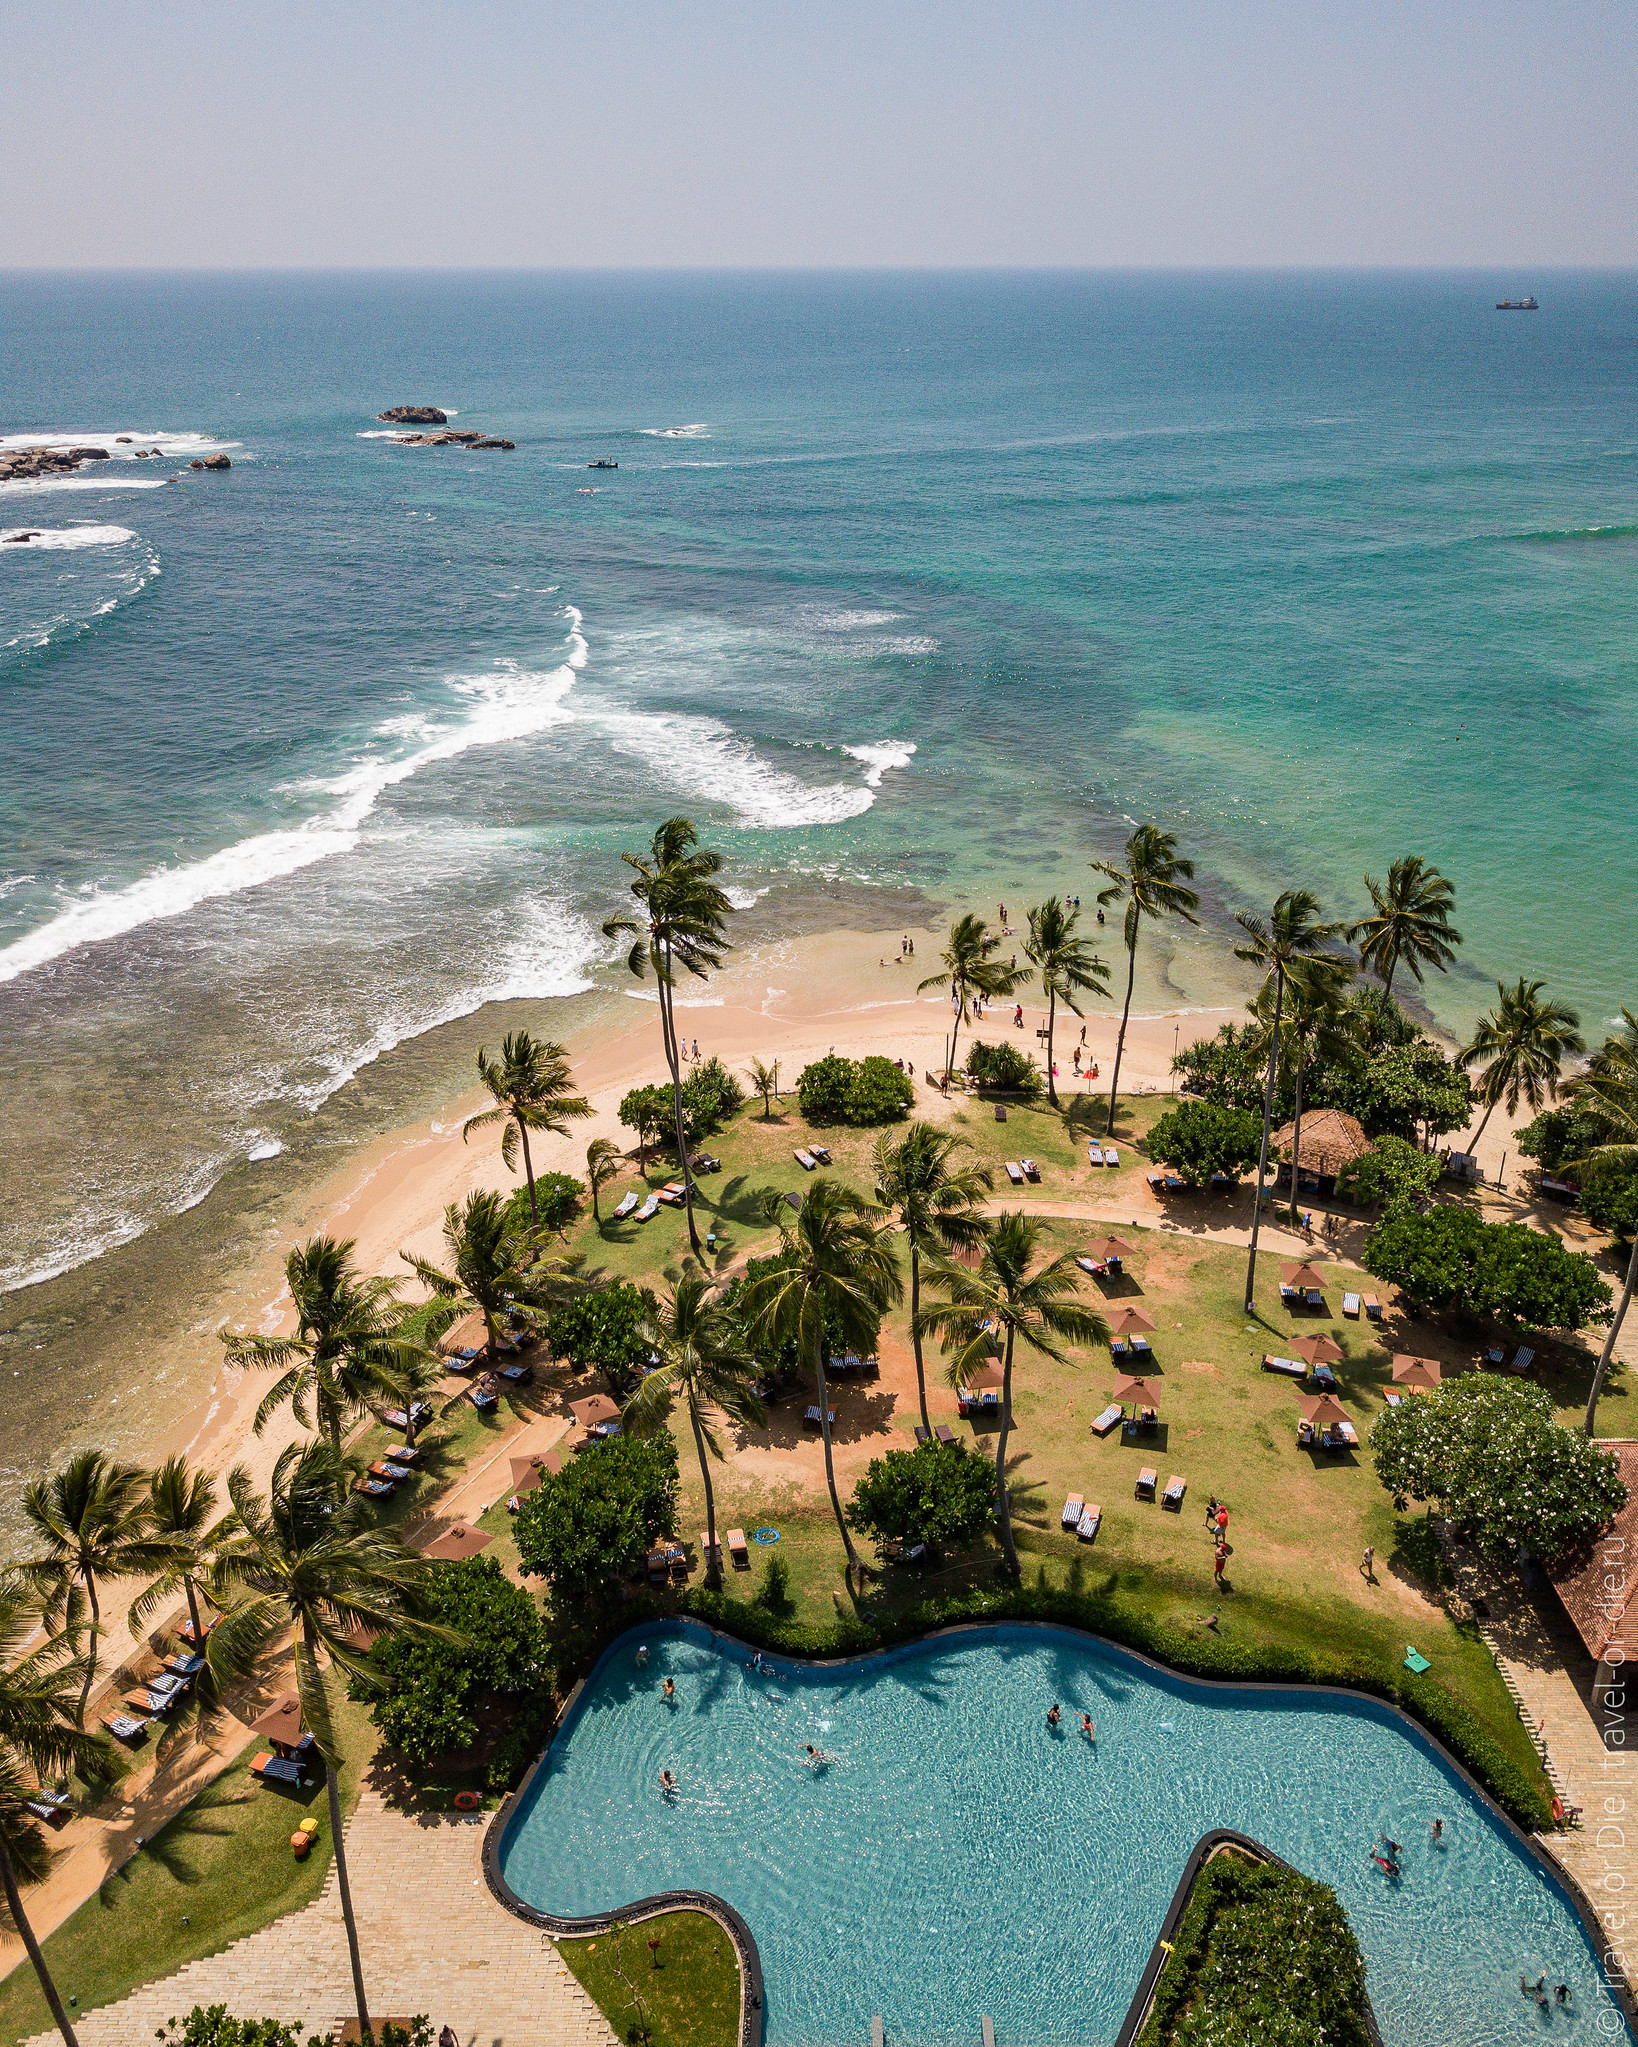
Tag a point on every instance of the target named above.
point(507, 704)
point(879, 759)
point(61, 537)
point(699, 431)
point(705, 759)
point(266, 1148)
point(80, 479)
point(746, 898)
point(124, 444)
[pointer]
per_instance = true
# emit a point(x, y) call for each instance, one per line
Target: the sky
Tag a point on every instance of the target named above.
point(844, 132)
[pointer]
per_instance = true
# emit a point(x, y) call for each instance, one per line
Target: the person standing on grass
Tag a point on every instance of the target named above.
point(1367, 1566)
point(1219, 1559)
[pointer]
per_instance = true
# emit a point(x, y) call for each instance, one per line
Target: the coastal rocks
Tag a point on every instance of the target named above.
point(4, 537)
point(210, 462)
point(21, 464)
point(463, 438)
point(487, 443)
point(414, 415)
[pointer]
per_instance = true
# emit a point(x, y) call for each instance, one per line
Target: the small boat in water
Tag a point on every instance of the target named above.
point(606, 464)
point(1517, 306)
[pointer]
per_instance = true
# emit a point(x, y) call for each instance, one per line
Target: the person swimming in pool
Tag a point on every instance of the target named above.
point(668, 1784)
point(817, 1759)
point(668, 1692)
point(1087, 1728)
point(1438, 1833)
point(1055, 1714)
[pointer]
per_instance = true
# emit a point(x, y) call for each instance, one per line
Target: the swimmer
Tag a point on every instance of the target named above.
point(642, 1655)
point(668, 1691)
point(1438, 1830)
point(1394, 1848)
point(1087, 1728)
point(1055, 1715)
point(668, 1783)
point(817, 1758)
point(1562, 1993)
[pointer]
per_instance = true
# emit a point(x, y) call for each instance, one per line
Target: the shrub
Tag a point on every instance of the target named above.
point(216, 2027)
point(838, 1090)
point(600, 1329)
point(773, 1595)
point(937, 1494)
point(589, 1526)
point(1560, 1134)
point(1502, 1469)
point(558, 1196)
point(1230, 1071)
point(823, 1089)
point(1394, 1172)
point(433, 1687)
point(650, 1114)
point(1197, 1139)
point(1449, 1258)
point(711, 1095)
point(1609, 1198)
point(1006, 1067)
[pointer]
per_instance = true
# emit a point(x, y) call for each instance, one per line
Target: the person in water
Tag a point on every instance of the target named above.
point(668, 1783)
point(817, 1758)
point(1054, 1714)
point(668, 1690)
point(1438, 1830)
point(1087, 1728)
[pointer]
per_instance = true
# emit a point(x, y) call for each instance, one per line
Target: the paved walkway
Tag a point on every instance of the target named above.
point(433, 1940)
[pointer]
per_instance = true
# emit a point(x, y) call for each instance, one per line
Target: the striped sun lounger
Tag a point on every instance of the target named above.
point(1094, 1154)
point(1073, 1508)
point(627, 1203)
point(1111, 1157)
point(649, 1210)
point(805, 1160)
point(1087, 1527)
point(1350, 1305)
point(1015, 1172)
point(1109, 1419)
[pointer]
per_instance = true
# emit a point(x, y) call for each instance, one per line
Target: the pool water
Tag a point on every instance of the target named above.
point(959, 1859)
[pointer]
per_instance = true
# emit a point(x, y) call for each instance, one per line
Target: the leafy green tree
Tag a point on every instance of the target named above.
point(1451, 1258)
point(702, 1364)
point(216, 2026)
point(1609, 1199)
point(1313, 1030)
point(493, 1267)
point(966, 964)
point(558, 1198)
point(1228, 1070)
point(937, 1200)
point(1005, 1067)
point(1066, 964)
point(1393, 1172)
point(1560, 1134)
point(182, 1515)
point(711, 1095)
point(347, 1348)
point(1293, 935)
point(41, 1736)
point(587, 1528)
point(1409, 1090)
point(532, 1090)
point(1608, 1092)
point(682, 926)
point(311, 1557)
point(1019, 1299)
point(1197, 1139)
point(427, 1689)
point(91, 1523)
point(1152, 882)
point(833, 1268)
point(943, 1495)
point(1489, 1452)
point(1409, 922)
point(765, 1082)
point(602, 1327)
point(646, 1112)
point(1522, 1044)
point(603, 1162)
point(860, 1092)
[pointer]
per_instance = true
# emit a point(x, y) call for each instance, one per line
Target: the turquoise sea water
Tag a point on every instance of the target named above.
point(300, 760)
point(958, 1859)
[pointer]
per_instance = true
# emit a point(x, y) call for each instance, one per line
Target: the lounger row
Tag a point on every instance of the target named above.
point(1102, 1155)
point(1130, 1347)
point(1497, 1356)
point(1172, 1496)
point(1310, 1297)
point(1020, 1170)
point(816, 1155)
point(850, 1364)
point(1082, 1518)
point(941, 1431)
point(1101, 1268)
point(1351, 1304)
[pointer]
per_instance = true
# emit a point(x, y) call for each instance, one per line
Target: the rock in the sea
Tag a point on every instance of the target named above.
point(216, 462)
point(122, 440)
point(414, 415)
point(20, 536)
point(18, 463)
point(487, 443)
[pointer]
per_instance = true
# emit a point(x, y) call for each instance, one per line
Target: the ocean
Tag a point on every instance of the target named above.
point(915, 591)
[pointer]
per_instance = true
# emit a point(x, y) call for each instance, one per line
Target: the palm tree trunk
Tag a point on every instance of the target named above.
point(529, 1175)
point(19, 1919)
point(1052, 1005)
point(1120, 1042)
point(961, 1011)
point(853, 1563)
point(91, 1659)
point(713, 1559)
point(915, 1332)
point(333, 1789)
point(193, 1614)
point(1003, 1511)
point(1268, 1120)
point(1473, 1142)
point(668, 1026)
point(1296, 1138)
point(1615, 1331)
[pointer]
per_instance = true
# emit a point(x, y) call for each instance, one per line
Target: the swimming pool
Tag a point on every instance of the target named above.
point(960, 1859)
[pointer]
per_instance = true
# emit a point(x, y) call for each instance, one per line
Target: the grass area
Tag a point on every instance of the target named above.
point(682, 1991)
point(221, 1869)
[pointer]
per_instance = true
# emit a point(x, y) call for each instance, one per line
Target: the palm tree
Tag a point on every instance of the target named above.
point(1010, 1293)
point(967, 966)
point(701, 1362)
point(833, 1265)
point(347, 1344)
point(312, 1558)
point(1318, 1025)
point(92, 1517)
point(493, 1268)
point(603, 1160)
point(1409, 921)
point(1526, 1040)
point(40, 1737)
point(532, 1090)
point(181, 1503)
point(936, 1204)
point(1154, 883)
point(1608, 1091)
point(1066, 964)
point(682, 925)
point(765, 1081)
point(1293, 932)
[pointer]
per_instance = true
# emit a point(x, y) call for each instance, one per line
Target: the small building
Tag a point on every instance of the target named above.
point(1331, 1139)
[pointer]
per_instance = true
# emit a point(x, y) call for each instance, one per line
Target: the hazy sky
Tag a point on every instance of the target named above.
point(856, 132)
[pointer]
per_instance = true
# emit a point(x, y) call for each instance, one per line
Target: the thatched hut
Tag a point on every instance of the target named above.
point(1331, 1139)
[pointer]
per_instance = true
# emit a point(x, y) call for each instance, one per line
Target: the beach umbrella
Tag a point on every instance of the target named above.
point(1324, 1410)
point(1317, 1350)
point(1137, 1389)
point(595, 1409)
point(1408, 1370)
point(1304, 1276)
point(1127, 1320)
point(1110, 1247)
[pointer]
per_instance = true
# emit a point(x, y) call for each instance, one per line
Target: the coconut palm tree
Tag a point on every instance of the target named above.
point(1019, 1300)
point(92, 1520)
point(1409, 922)
point(1608, 1091)
point(493, 1267)
point(181, 1506)
point(684, 915)
point(833, 1264)
point(1317, 1025)
point(703, 1364)
point(40, 1737)
point(1294, 932)
point(765, 1082)
point(311, 1558)
point(603, 1161)
point(532, 1090)
point(936, 1202)
point(1066, 964)
point(346, 1347)
point(966, 964)
point(1153, 882)
point(1522, 1043)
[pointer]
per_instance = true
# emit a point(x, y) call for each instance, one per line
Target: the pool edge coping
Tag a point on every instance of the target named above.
point(1606, 1956)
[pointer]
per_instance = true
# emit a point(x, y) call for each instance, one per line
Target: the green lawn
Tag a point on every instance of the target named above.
point(221, 1869)
point(681, 1992)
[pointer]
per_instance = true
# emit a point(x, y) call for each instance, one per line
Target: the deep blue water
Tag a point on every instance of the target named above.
point(1317, 569)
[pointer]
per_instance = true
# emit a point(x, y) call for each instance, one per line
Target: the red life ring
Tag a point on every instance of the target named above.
point(1558, 1810)
point(467, 1801)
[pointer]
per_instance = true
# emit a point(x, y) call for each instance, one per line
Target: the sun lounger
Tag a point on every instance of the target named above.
point(168, 1685)
point(1141, 1347)
point(1350, 1305)
point(396, 1418)
point(806, 1160)
point(1031, 1170)
point(483, 1400)
point(1524, 1360)
point(708, 1548)
point(649, 1210)
point(462, 1360)
point(1015, 1172)
point(656, 1565)
point(400, 1455)
point(626, 1204)
point(278, 1770)
point(1496, 1355)
point(944, 1433)
point(387, 1473)
point(1293, 1368)
point(739, 1549)
point(1173, 1495)
point(821, 1152)
point(186, 1630)
point(812, 1417)
point(1373, 1308)
point(1109, 1419)
point(672, 1197)
point(1415, 1660)
point(1157, 1182)
point(1147, 1479)
point(378, 1488)
point(1094, 1154)
point(1092, 1266)
point(49, 1805)
point(153, 1703)
point(184, 1666)
point(1118, 1347)
point(1392, 1395)
point(1313, 1298)
point(922, 1435)
point(124, 1726)
point(1074, 1507)
point(1111, 1157)
point(518, 1374)
point(1087, 1527)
